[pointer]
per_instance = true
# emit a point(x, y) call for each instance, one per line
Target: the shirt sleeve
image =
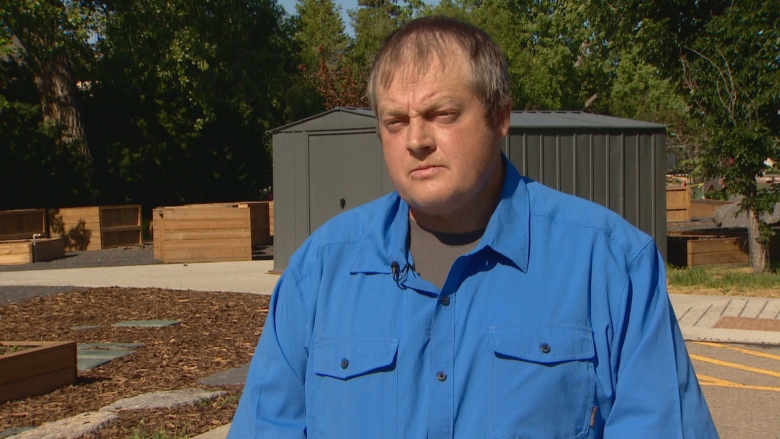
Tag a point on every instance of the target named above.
point(273, 402)
point(656, 390)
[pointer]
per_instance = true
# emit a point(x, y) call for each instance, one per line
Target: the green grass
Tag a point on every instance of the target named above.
point(140, 433)
point(726, 279)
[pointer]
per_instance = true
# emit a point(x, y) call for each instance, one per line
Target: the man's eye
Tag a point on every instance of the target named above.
point(446, 116)
point(394, 124)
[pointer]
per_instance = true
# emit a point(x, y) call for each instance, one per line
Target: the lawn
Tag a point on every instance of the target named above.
point(738, 281)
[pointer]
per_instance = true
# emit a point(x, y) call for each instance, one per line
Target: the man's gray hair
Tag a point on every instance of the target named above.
point(415, 43)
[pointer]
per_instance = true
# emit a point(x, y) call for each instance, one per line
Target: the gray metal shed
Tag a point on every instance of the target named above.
point(333, 161)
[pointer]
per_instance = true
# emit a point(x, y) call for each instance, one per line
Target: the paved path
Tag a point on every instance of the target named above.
point(730, 319)
point(238, 277)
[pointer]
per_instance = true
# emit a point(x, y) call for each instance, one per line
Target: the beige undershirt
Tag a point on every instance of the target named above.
point(434, 253)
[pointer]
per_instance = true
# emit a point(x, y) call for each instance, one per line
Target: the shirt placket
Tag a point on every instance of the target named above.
point(442, 358)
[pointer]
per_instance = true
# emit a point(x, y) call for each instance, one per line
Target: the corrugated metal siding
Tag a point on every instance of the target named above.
point(619, 170)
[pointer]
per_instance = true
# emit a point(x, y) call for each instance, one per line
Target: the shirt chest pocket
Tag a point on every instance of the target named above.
point(356, 387)
point(543, 380)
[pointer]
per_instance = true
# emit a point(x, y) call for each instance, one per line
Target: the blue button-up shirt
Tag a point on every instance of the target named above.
point(556, 325)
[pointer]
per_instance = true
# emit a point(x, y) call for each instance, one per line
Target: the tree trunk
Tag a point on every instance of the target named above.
point(59, 100)
point(757, 246)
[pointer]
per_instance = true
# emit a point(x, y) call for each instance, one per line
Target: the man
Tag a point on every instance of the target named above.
point(472, 302)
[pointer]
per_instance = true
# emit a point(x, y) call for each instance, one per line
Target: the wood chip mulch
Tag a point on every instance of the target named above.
point(218, 331)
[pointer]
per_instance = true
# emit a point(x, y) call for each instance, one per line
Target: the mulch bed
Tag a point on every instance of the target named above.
point(218, 331)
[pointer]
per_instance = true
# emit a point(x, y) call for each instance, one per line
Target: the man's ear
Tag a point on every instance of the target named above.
point(502, 121)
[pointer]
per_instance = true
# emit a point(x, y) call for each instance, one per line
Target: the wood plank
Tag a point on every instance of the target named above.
point(677, 197)
point(717, 258)
point(207, 234)
point(675, 215)
point(15, 248)
point(207, 244)
point(223, 255)
point(216, 213)
point(37, 385)
point(37, 360)
point(705, 208)
point(199, 224)
point(120, 229)
point(15, 259)
point(717, 245)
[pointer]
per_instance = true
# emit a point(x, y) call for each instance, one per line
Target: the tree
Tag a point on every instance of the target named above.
point(46, 34)
point(723, 55)
point(323, 44)
point(733, 72)
point(184, 95)
point(320, 32)
point(373, 21)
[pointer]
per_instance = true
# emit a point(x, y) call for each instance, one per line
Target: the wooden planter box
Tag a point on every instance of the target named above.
point(210, 232)
point(22, 224)
point(97, 227)
point(705, 208)
point(43, 367)
point(697, 249)
point(678, 199)
point(24, 252)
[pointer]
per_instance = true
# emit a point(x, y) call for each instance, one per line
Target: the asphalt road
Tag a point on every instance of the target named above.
point(742, 386)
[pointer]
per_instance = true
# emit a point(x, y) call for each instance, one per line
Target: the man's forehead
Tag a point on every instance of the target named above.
point(410, 69)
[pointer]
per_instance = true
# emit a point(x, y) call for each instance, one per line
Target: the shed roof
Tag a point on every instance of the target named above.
point(351, 118)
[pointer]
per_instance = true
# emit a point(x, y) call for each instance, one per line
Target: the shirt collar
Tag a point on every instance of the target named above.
point(508, 231)
point(385, 238)
point(386, 235)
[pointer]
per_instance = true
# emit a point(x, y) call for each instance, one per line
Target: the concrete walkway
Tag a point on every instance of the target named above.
point(237, 277)
point(702, 318)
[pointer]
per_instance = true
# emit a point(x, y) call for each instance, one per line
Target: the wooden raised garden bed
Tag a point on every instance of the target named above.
point(690, 249)
point(97, 227)
point(25, 251)
point(22, 224)
point(705, 208)
point(678, 199)
point(210, 232)
point(30, 368)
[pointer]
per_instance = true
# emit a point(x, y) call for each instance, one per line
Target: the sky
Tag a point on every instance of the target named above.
point(289, 6)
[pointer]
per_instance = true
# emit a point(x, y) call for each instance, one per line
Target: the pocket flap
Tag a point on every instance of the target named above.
point(348, 359)
point(543, 344)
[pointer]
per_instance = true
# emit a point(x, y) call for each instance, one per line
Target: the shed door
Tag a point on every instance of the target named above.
point(345, 171)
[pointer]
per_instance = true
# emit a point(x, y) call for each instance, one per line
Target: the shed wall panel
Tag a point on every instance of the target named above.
point(615, 174)
point(344, 167)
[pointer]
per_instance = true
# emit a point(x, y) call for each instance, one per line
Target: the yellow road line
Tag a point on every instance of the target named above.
point(735, 365)
point(705, 380)
point(742, 350)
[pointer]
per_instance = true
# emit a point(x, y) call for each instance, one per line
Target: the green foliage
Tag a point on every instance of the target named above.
point(184, 95)
point(34, 172)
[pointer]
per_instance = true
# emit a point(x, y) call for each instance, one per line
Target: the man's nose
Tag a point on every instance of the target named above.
point(418, 137)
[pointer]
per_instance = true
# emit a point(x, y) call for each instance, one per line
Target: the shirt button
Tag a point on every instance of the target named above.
point(545, 348)
point(344, 363)
point(445, 300)
point(441, 376)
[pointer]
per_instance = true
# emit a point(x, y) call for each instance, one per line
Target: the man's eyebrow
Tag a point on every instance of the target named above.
point(393, 111)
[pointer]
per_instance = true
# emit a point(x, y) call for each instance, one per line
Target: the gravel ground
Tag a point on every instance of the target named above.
point(112, 257)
